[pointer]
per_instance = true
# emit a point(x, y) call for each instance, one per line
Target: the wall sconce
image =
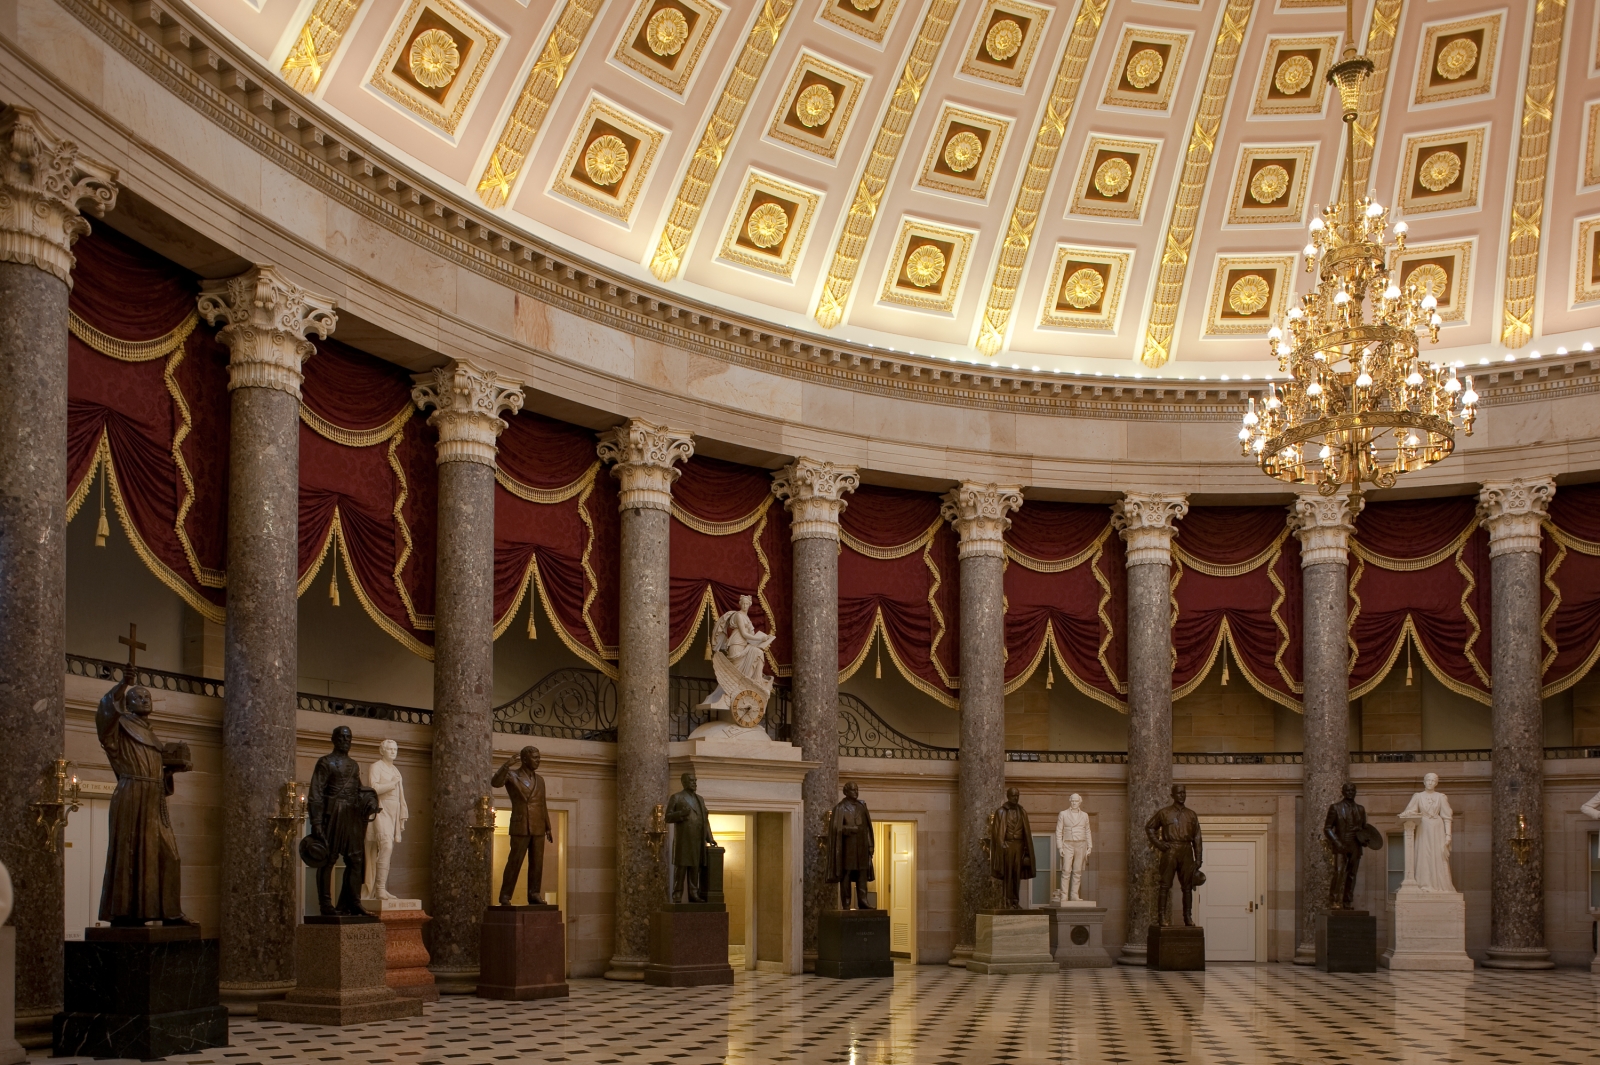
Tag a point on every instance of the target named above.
point(1521, 845)
point(656, 834)
point(286, 822)
point(482, 826)
point(59, 801)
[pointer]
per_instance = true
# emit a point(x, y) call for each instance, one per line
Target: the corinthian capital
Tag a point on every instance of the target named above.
point(978, 511)
point(1323, 525)
point(646, 458)
point(265, 322)
point(814, 494)
point(1147, 523)
point(46, 187)
point(1513, 510)
point(467, 403)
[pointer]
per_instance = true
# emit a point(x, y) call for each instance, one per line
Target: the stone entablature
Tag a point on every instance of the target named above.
point(813, 492)
point(467, 403)
point(265, 321)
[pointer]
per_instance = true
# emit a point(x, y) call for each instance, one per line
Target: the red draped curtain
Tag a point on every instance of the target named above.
point(1571, 593)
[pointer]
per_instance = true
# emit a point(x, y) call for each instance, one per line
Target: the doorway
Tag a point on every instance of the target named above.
point(554, 887)
point(753, 887)
point(1231, 905)
point(84, 859)
point(895, 863)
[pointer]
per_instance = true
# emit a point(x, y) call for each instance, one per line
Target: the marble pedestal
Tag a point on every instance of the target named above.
point(11, 1051)
point(341, 975)
point(853, 943)
point(1347, 942)
point(405, 955)
point(689, 945)
point(524, 953)
point(1427, 930)
point(1012, 941)
point(1176, 948)
point(1077, 936)
point(140, 993)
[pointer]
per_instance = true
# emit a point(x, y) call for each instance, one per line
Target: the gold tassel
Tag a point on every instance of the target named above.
point(1224, 670)
point(333, 584)
point(533, 633)
point(877, 671)
point(102, 530)
point(1408, 663)
point(711, 633)
point(1049, 671)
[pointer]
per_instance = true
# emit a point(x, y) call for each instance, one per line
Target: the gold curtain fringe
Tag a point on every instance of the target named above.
point(1411, 565)
point(1238, 569)
point(880, 630)
point(1040, 565)
point(334, 542)
point(1573, 543)
point(861, 547)
point(531, 578)
point(132, 350)
point(356, 437)
point(938, 616)
point(548, 496)
point(722, 528)
point(203, 606)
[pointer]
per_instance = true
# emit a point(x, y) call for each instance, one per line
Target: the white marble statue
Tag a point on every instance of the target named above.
point(389, 825)
point(1427, 819)
point(1592, 807)
point(738, 658)
point(1074, 842)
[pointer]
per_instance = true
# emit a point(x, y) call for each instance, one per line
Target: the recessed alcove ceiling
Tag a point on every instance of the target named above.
point(866, 171)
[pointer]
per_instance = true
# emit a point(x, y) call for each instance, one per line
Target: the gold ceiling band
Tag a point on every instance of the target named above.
point(317, 42)
point(546, 495)
point(1380, 49)
point(720, 127)
point(1179, 238)
point(1237, 569)
point(861, 547)
point(721, 528)
point(1411, 565)
point(880, 163)
point(1040, 565)
point(1036, 178)
point(132, 350)
point(356, 437)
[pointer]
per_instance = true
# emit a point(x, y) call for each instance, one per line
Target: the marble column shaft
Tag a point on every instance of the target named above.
point(45, 188)
point(1512, 511)
point(645, 458)
point(466, 402)
point(265, 320)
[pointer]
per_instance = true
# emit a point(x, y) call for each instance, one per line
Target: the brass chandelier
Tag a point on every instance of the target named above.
point(1360, 404)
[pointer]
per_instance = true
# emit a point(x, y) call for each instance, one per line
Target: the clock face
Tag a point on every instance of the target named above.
point(748, 709)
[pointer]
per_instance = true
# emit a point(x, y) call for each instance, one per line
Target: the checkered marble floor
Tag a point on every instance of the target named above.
point(934, 1015)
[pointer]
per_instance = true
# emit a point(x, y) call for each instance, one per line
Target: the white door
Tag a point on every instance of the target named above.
point(1226, 905)
point(902, 888)
point(84, 859)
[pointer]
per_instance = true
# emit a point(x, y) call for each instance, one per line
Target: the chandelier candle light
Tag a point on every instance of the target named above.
point(1360, 403)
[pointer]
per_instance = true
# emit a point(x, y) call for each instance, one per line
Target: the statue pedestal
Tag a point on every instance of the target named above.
point(340, 972)
point(523, 953)
point(1076, 931)
point(1012, 941)
point(853, 943)
point(689, 945)
point(405, 956)
point(140, 993)
point(11, 1051)
point(1427, 930)
point(1347, 942)
point(1176, 948)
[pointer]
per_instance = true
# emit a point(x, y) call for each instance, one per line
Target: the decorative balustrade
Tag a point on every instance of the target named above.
point(578, 704)
point(103, 669)
point(863, 734)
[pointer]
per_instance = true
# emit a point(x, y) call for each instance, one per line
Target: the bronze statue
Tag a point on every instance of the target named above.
point(691, 839)
point(142, 869)
point(1010, 850)
point(338, 808)
point(1175, 831)
point(850, 848)
point(1348, 834)
point(530, 824)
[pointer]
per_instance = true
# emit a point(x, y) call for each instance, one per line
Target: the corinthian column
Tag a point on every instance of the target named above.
point(814, 494)
point(265, 321)
point(1147, 523)
point(646, 458)
point(1323, 525)
point(45, 189)
point(979, 513)
point(1512, 511)
point(467, 403)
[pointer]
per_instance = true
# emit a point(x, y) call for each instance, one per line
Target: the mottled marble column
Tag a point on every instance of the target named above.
point(979, 513)
point(265, 321)
point(645, 458)
point(814, 494)
point(467, 403)
point(1323, 525)
point(1512, 511)
point(45, 188)
point(1147, 523)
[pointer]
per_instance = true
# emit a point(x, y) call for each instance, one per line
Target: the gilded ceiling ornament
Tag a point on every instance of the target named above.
point(1430, 279)
point(434, 59)
point(1293, 75)
point(1144, 69)
point(962, 152)
point(925, 266)
point(1249, 294)
point(1456, 58)
point(1084, 288)
point(1439, 171)
point(865, 5)
point(767, 226)
point(1113, 176)
point(666, 32)
point(1004, 40)
point(606, 159)
point(814, 106)
point(1269, 184)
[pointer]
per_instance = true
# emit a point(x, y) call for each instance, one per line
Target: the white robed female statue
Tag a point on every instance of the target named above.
point(1427, 819)
point(738, 659)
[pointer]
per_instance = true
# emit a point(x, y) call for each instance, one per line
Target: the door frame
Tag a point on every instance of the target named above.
point(1255, 829)
point(887, 855)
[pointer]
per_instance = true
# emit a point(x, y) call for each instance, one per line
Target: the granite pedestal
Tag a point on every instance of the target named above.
point(1077, 936)
point(11, 1051)
point(853, 943)
point(1347, 942)
point(405, 955)
point(140, 993)
point(1176, 948)
point(1012, 941)
point(1427, 931)
point(340, 974)
point(524, 953)
point(689, 945)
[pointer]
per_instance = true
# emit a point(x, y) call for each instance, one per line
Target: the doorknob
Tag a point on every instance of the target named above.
point(1250, 907)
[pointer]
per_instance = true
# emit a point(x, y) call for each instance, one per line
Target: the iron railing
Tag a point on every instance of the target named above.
point(103, 669)
point(863, 734)
point(578, 704)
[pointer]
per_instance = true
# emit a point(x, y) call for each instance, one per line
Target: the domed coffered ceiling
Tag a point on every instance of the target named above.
point(1114, 186)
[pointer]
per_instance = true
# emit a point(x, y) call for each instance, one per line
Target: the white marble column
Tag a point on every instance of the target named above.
point(1323, 525)
point(265, 321)
point(1147, 523)
point(1513, 511)
point(467, 403)
point(979, 513)
point(645, 458)
point(814, 494)
point(46, 189)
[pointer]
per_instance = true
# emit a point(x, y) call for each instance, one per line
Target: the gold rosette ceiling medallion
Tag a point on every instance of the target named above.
point(962, 152)
point(767, 226)
point(925, 266)
point(1456, 58)
point(606, 159)
point(1003, 40)
point(666, 31)
point(1359, 404)
point(815, 106)
point(1269, 184)
point(1439, 171)
point(1084, 288)
point(1113, 177)
point(1144, 69)
point(434, 59)
point(1293, 75)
